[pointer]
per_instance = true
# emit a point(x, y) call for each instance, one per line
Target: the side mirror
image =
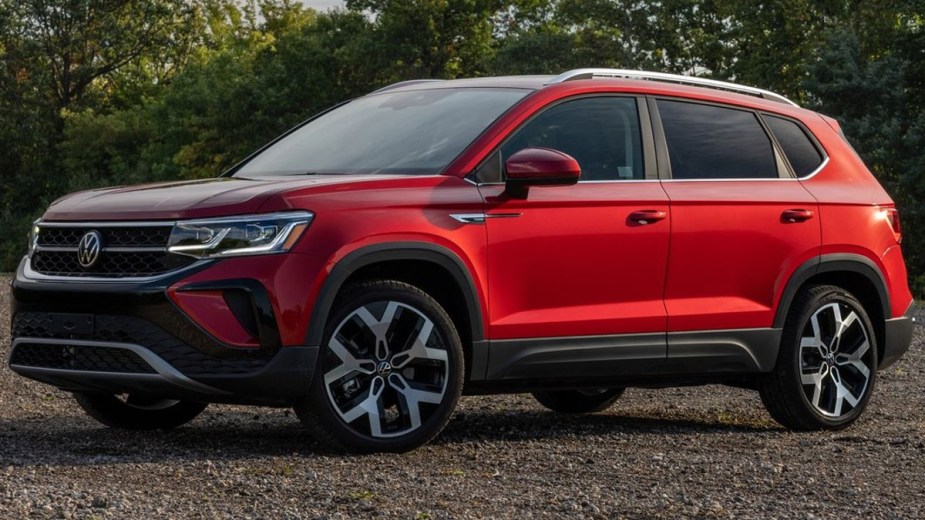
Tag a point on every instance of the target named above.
point(539, 167)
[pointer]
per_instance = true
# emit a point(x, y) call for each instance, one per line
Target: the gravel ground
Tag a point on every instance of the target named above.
point(708, 452)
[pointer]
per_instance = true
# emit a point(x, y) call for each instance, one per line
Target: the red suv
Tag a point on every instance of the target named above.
point(568, 236)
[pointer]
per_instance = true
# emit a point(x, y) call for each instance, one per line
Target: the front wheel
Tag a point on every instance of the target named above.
point(139, 412)
point(390, 371)
point(827, 364)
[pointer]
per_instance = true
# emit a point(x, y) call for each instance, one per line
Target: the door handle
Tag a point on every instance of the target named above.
point(792, 216)
point(647, 216)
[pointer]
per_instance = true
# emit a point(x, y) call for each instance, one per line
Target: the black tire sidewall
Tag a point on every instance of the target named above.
point(324, 410)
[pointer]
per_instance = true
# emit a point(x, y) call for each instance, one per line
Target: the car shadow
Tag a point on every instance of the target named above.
point(244, 435)
point(538, 425)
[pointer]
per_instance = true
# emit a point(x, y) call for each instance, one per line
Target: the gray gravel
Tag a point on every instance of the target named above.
point(708, 452)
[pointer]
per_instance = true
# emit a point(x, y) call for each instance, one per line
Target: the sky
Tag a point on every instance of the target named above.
point(323, 4)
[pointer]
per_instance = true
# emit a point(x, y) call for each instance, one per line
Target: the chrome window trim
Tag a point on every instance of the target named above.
point(735, 179)
point(611, 181)
point(822, 165)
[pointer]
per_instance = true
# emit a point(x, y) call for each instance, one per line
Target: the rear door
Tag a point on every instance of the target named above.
point(741, 225)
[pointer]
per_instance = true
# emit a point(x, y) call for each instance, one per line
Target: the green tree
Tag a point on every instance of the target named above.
point(63, 56)
point(429, 38)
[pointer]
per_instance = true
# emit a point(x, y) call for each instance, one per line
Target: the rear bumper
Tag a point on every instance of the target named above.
point(129, 337)
point(898, 337)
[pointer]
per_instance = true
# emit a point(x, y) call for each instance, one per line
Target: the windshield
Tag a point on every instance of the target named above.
point(418, 132)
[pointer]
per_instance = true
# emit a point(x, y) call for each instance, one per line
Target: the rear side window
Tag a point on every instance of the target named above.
point(803, 155)
point(710, 142)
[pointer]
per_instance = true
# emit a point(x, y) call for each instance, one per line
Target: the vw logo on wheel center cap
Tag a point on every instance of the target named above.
point(384, 368)
point(88, 249)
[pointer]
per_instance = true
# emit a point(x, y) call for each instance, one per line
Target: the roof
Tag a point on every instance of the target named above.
point(618, 75)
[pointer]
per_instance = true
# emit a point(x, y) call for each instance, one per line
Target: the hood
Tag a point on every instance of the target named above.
point(217, 197)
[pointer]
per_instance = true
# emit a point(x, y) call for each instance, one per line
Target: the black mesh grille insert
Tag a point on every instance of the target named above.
point(139, 331)
point(110, 264)
point(142, 236)
point(79, 357)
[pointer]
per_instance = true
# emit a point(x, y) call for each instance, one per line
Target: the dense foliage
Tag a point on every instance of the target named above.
point(102, 92)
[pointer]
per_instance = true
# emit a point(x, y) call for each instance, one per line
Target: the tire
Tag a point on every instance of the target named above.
point(826, 368)
point(136, 412)
point(579, 401)
point(378, 387)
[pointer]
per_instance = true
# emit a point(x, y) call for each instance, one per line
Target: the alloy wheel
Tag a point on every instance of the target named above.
point(836, 360)
point(385, 369)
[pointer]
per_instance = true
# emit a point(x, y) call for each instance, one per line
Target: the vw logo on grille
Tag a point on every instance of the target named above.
point(88, 250)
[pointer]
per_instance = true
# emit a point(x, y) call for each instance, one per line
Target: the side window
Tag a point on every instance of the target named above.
point(803, 155)
point(601, 133)
point(710, 142)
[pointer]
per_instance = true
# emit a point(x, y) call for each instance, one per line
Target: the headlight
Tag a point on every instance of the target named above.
point(238, 236)
point(33, 236)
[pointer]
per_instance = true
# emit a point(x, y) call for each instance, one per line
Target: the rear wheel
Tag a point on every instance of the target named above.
point(139, 412)
point(827, 364)
point(390, 372)
point(579, 401)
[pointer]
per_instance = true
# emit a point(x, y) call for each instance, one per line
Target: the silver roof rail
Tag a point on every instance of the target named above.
point(669, 78)
point(404, 84)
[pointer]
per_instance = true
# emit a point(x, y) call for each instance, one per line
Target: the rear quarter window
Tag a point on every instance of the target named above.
point(803, 155)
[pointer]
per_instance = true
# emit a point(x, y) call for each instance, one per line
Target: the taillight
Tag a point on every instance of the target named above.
point(892, 216)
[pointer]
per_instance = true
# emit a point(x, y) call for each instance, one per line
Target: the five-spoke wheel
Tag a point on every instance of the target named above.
point(390, 371)
point(835, 359)
point(827, 363)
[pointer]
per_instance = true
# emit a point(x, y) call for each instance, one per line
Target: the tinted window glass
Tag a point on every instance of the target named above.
point(401, 132)
point(800, 151)
point(602, 134)
point(709, 142)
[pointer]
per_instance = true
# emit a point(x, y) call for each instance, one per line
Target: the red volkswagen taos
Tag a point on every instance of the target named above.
point(568, 236)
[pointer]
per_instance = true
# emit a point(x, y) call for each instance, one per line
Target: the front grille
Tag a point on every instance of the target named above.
point(138, 331)
point(79, 357)
point(122, 236)
point(111, 264)
point(126, 251)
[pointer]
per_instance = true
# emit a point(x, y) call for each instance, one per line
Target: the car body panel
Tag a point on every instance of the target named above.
point(216, 197)
point(567, 261)
point(730, 249)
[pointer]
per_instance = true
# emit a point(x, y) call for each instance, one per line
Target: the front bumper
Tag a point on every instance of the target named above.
point(898, 337)
point(128, 337)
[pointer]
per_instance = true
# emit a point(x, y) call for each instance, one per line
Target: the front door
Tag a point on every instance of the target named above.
point(576, 273)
